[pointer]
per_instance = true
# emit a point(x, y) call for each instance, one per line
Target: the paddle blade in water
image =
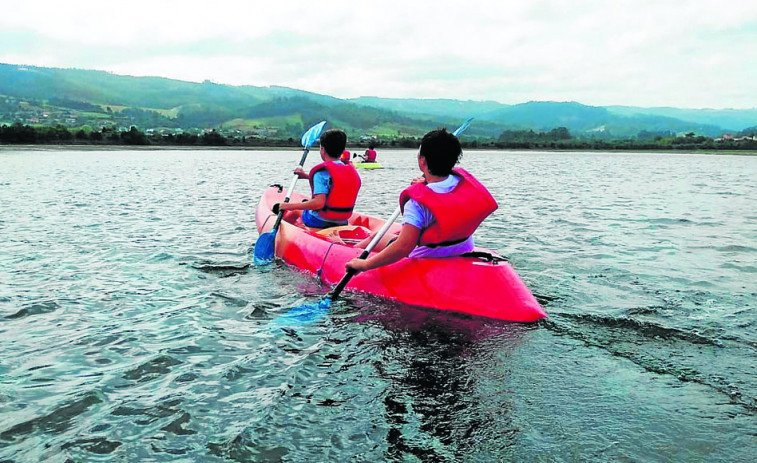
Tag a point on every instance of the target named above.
point(309, 137)
point(262, 252)
point(302, 315)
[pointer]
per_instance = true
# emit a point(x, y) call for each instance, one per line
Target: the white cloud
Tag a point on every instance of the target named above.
point(692, 53)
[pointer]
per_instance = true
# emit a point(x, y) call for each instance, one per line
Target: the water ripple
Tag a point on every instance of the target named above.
point(134, 328)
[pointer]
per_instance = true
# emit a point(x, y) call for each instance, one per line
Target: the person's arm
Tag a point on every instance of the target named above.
point(321, 182)
point(316, 203)
point(400, 248)
point(300, 173)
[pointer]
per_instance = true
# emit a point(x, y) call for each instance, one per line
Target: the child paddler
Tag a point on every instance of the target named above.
point(441, 210)
point(334, 185)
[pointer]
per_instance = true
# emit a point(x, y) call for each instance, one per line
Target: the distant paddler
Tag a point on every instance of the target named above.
point(367, 160)
point(370, 154)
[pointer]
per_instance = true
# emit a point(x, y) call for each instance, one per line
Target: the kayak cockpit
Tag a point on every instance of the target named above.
point(358, 230)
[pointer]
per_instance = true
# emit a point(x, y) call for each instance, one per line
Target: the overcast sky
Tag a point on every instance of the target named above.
point(683, 53)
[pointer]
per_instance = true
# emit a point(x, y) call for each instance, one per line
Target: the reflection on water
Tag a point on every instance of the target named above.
point(433, 404)
point(134, 327)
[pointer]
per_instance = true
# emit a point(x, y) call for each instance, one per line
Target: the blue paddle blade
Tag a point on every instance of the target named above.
point(262, 252)
point(309, 137)
point(302, 315)
point(462, 127)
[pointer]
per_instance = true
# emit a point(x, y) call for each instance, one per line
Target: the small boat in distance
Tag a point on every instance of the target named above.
point(367, 165)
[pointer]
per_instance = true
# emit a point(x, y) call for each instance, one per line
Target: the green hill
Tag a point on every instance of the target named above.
point(727, 119)
point(75, 97)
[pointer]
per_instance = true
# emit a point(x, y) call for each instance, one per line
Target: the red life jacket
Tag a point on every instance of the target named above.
point(345, 184)
point(345, 157)
point(457, 213)
point(370, 155)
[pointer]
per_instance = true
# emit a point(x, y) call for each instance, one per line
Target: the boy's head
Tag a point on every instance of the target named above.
point(333, 142)
point(441, 150)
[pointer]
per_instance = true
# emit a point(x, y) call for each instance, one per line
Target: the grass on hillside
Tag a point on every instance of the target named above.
point(248, 125)
point(94, 115)
point(170, 113)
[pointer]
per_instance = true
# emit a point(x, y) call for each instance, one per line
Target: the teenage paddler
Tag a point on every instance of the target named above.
point(441, 209)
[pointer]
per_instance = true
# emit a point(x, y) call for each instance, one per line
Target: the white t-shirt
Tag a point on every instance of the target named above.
point(419, 216)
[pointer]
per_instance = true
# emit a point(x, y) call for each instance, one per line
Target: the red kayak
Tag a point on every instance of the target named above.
point(483, 284)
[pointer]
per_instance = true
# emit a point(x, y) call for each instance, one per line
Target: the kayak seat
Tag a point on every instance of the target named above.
point(362, 221)
point(347, 234)
point(365, 221)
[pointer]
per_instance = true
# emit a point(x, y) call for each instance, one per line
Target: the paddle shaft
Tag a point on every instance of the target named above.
point(291, 188)
point(350, 273)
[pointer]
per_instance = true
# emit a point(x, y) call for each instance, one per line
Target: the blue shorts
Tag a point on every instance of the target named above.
point(311, 220)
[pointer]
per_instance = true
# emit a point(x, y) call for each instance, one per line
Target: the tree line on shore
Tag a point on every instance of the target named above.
point(556, 139)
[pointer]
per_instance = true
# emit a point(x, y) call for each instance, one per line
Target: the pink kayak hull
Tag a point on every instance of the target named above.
point(461, 284)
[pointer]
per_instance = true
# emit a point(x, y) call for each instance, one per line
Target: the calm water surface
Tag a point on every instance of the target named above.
point(133, 327)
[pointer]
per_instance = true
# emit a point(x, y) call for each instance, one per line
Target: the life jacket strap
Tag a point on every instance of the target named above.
point(338, 209)
point(446, 243)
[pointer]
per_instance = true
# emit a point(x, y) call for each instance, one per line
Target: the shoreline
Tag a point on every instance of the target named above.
point(89, 147)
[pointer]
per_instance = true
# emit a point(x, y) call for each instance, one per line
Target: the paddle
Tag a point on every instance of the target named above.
point(309, 311)
point(263, 250)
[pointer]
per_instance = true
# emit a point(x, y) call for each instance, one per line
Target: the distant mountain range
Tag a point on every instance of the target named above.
point(75, 97)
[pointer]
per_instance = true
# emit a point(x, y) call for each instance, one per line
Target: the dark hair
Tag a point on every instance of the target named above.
point(334, 141)
point(442, 151)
